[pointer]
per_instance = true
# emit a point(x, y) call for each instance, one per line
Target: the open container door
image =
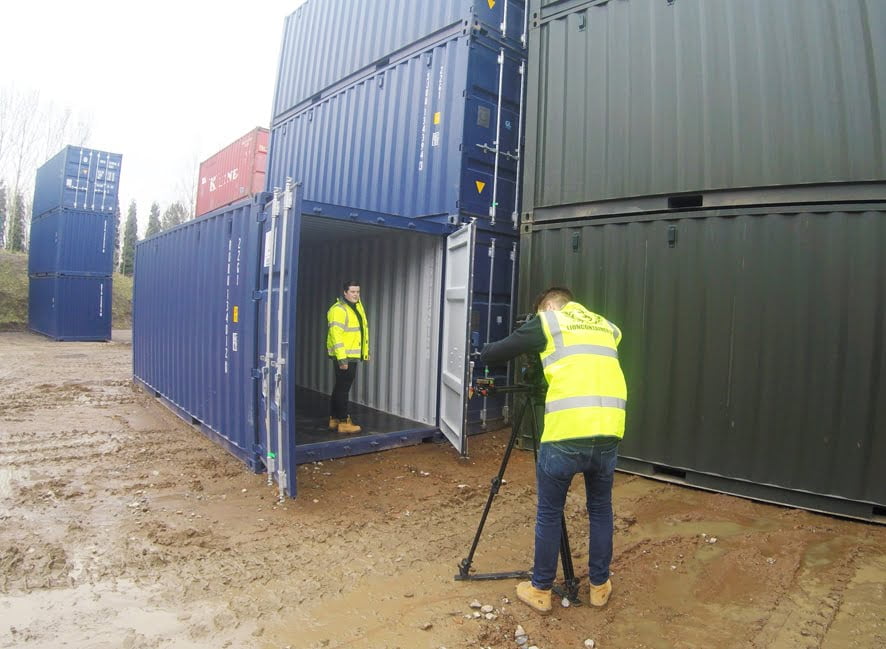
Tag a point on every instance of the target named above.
point(276, 328)
point(455, 366)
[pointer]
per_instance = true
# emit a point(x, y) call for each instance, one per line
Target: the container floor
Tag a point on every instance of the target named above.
point(312, 420)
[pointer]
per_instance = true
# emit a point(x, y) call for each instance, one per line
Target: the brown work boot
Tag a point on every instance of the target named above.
point(333, 423)
point(600, 594)
point(347, 427)
point(537, 599)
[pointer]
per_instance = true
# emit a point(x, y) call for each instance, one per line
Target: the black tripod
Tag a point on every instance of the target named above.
point(570, 587)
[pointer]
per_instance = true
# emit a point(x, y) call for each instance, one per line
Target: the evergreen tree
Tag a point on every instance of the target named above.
point(153, 221)
point(130, 238)
point(175, 214)
point(117, 228)
point(2, 214)
point(17, 223)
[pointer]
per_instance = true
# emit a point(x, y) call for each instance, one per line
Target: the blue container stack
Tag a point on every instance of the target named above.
point(414, 112)
point(71, 251)
point(421, 120)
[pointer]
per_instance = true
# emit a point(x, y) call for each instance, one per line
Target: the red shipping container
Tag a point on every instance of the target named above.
point(233, 173)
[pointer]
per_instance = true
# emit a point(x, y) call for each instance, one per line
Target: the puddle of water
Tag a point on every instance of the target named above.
point(99, 616)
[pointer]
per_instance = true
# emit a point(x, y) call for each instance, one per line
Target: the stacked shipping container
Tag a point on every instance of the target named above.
point(725, 206)
point(234, 173)
point(407, 131)
point(417, 117)
point(71, 250)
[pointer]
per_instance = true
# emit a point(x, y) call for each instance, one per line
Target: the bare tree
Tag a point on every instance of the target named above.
point(186, 188)
point(31, 131)
point(2, 214)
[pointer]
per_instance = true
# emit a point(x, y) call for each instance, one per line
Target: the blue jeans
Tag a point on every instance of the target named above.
point(558, 462)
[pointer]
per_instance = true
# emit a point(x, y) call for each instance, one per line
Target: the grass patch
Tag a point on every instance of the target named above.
point(14, 294)
point(121, 306)
point(13, 290)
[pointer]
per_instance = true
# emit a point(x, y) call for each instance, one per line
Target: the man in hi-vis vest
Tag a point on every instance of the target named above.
point(583, 424)
point(347, 343)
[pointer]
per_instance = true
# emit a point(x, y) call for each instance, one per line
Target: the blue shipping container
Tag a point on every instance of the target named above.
point(415, 139)
point(80, 179)
point(232, 335)
point(70, 307)
point(352, 38)
point(194, 322)
point(72, 242)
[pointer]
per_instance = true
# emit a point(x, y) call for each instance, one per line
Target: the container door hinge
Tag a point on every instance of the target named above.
point(259, 295)
point(256, 372)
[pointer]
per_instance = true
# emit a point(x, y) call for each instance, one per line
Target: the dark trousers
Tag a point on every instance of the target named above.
point(338, 404)
point(557, 463)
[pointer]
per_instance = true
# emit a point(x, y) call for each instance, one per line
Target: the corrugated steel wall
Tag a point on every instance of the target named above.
point(399, 274)
point(234, 173)
point(633, 98)
point(72, 242)
point(356, 35)
point(193, 325)
point(70, 308)
point(78, 178)
point(406, 141)
point(753, 338)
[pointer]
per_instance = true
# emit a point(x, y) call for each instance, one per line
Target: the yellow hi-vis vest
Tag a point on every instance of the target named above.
point(586, 394)
point(343, 336)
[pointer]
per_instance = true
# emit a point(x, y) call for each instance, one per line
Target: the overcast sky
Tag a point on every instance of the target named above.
point(165, 83)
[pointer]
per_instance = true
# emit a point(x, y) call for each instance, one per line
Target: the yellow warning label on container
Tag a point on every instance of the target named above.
point(491, 3)
point(236, 314)
point(480, 185)
point(437, 117)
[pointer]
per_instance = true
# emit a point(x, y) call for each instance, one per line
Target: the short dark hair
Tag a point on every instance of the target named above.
point(558, 294)
point(349, 284)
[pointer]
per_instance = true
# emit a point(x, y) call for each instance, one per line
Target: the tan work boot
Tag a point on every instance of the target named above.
point(347, 427)
point(333, 423)
point(600, 594)
point(537, 599)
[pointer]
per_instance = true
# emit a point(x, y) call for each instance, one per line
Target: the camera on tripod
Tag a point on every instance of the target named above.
point(529, 388)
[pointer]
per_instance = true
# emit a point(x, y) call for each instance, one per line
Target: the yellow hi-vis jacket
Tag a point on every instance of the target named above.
point(343, 339)
point(586, 394)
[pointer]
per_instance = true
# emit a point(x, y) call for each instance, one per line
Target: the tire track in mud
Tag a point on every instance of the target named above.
point(803, 613)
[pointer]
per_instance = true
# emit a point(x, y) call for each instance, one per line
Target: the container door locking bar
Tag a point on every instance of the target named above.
point(270, 246)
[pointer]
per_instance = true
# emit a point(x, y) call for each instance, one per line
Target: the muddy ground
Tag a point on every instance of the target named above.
point(122, 526)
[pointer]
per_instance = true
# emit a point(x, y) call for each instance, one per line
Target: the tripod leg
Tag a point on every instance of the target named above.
point(571, 582)
point(465, 566)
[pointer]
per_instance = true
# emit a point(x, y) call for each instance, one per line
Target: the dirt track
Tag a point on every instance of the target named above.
point(121, 526)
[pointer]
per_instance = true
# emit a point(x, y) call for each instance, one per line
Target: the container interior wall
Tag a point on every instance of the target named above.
point(639, 98)
point(753, 339)
point(194, 320)
point(415, 139)
point(399, 273)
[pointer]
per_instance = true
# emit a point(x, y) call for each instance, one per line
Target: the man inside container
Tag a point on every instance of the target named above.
point(347, 343)
point(583, 424)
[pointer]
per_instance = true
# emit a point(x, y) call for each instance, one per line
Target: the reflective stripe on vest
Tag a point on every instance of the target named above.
point(343, 340)
point(585, 402)
point(586, 391)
